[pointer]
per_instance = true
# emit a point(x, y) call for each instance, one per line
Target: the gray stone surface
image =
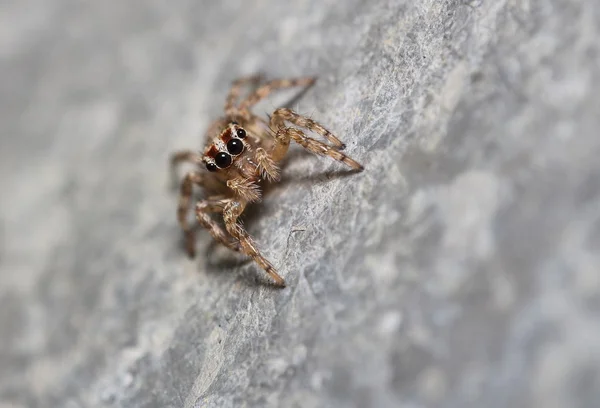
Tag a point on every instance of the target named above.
point(461, 269)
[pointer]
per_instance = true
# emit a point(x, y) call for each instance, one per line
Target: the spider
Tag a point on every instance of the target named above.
point(242, 151)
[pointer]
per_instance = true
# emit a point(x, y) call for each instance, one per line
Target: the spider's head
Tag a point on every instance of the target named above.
point(226, 147)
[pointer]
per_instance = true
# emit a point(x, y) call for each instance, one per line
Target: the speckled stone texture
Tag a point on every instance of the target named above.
point(461, 269)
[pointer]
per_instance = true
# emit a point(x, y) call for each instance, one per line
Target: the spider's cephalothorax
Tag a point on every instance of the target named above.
point(242, 150)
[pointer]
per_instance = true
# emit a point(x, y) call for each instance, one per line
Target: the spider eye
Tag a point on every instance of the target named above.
point(223, 160)
point(211, 166)
point(241, 133)
point(235, 146)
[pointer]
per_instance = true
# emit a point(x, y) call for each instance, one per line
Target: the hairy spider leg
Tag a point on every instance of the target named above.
point(281, 115)
point(236, 91)
point(277, 84)
point(203, 209)
point(231, 212)
point(183, 156)
point(284, 135)
point(192, 178)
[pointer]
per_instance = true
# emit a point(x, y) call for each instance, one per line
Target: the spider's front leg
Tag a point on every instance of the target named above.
point(182, 156)
point(285, 134)
point(185, 196)
point(203, 208)
point(193, 157)
point(266, 165)
point(231, 212)
point(282, 115)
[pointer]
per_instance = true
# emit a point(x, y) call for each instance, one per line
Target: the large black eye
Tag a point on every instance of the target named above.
point(235, 146)
point(241, 133)
point(223, 160)
point(211, 167)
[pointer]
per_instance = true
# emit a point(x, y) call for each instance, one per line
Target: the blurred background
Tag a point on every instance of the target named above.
point(460, 269)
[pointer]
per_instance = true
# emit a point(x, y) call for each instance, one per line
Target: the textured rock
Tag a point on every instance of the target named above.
point(459, 270)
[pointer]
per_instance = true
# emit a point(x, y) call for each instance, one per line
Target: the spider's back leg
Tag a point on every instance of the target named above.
point(236, 91)
point(265, 90)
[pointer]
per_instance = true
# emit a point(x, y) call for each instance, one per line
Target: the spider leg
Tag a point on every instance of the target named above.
point(203, 208)
point(231, 212)
point(183, 156)
point(193, 157)
point(236, 90)
point(281, 115)
point(265, 90)
point(285, 134)
point(185, 195)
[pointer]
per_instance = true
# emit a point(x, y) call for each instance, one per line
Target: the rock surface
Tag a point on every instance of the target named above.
point(461, 269)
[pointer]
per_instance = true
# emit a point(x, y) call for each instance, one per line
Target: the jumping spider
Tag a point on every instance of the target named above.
point(242, 151)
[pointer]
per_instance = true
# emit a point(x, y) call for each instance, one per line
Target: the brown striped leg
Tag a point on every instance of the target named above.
point(236, 90)
point(185, 156)
point(186, 189)
point(203, 208)
point(181, 157)
point(265, 90)
point(231, 212)
point(284, 135)
point(282, 115)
